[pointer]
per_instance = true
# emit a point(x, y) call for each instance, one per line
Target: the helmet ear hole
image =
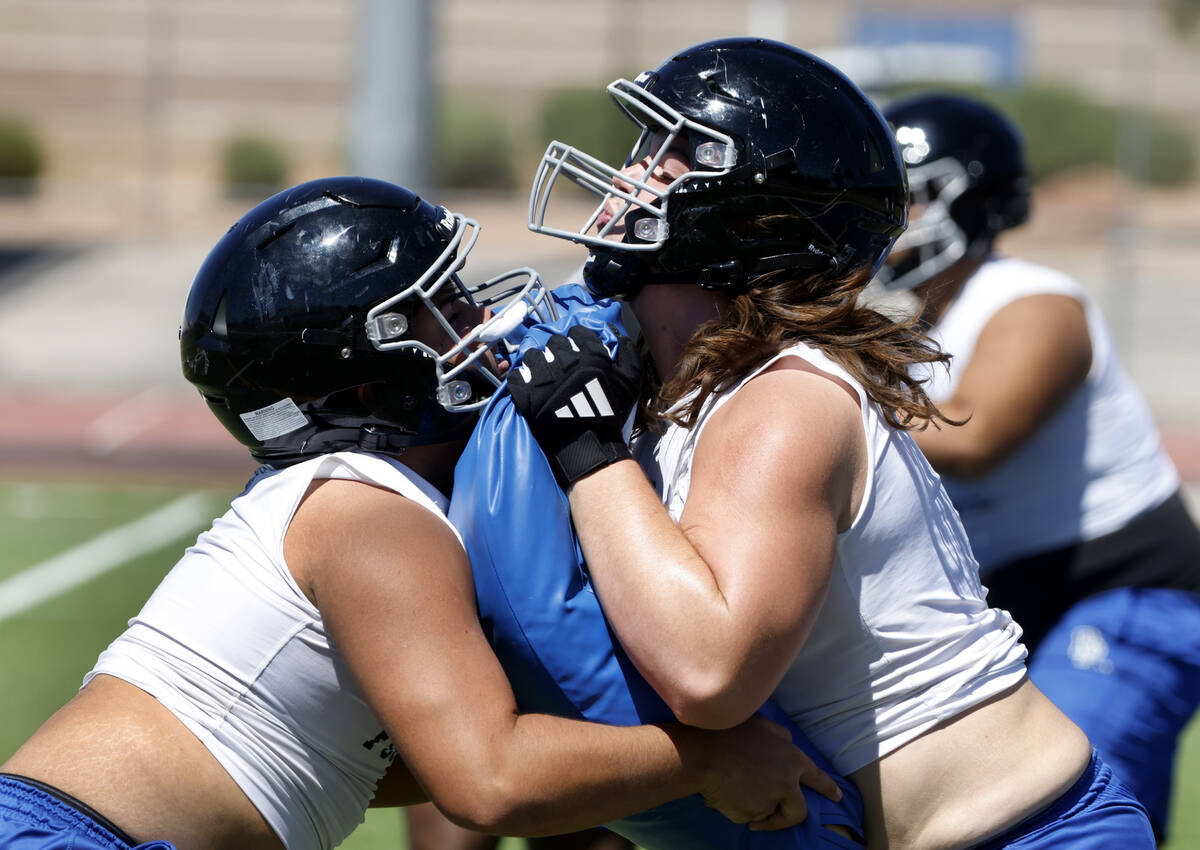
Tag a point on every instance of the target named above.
point(220, 324)
point(350, 398)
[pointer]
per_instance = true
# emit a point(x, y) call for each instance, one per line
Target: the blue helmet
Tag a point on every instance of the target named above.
point(311, 295)
point(775, 135)
point(966, 169)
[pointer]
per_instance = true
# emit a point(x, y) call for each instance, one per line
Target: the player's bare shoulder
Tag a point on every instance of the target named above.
point(794, 430)
point(793, 401)
point(343, 526)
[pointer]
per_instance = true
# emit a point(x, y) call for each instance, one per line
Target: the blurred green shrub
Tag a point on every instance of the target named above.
point(1065, 129)
point(21, 159)
point(1184, 14)
point(253, 165)
point(588, 119)
point(1172, 152)
point(473, 144)
point(478, 145)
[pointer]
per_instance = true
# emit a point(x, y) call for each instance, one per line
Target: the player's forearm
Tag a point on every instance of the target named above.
point(549, 775)
point(970, 450)
point(662, 598)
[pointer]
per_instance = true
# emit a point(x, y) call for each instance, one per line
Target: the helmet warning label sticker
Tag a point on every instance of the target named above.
point(274, 420)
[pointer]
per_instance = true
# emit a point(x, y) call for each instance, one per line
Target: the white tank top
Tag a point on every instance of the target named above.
point(236, 651)
point(1094, 465)
point(904, 638)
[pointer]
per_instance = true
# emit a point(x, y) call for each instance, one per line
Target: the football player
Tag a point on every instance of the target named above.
point(791, 540)
point(1073, 508)
point(317, 650)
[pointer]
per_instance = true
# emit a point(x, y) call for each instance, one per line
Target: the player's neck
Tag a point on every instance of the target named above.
point(435, 463)
point(669, 315)
point(939, 292)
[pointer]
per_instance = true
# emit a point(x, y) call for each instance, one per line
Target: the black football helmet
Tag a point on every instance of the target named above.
point(313, 294)
point(967, 175)
point(775, 135)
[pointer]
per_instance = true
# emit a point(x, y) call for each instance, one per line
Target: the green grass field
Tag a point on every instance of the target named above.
point(45, 649)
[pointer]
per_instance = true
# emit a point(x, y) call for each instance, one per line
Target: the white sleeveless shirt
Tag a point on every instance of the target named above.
point(230, 644)
point(904, 638)
point(1097, 463)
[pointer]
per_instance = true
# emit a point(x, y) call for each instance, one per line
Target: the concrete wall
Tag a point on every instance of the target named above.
point(133, 98)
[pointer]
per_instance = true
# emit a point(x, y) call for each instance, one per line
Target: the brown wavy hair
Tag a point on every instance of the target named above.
point(780, 308)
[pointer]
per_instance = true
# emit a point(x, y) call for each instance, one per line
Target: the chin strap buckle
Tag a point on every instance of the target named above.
point(373, 440)
point(729, 276)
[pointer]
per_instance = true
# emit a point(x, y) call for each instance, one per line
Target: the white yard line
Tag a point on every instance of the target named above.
point(105, 552)
point(124, 421)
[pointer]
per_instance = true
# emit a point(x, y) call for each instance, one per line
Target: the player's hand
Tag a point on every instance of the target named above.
point(757, 776)
point(576, 400)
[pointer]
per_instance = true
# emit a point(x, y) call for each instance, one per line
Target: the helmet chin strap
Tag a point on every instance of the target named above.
point(373, 440)
point(733, 276)
point(385, 441)
point(613, 273)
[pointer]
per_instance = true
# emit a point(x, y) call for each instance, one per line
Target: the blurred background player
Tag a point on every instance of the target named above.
point(326, 624)
point(1073, 508)
point(791, 540)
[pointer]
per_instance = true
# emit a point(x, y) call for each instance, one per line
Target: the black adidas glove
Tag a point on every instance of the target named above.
point(576, 400)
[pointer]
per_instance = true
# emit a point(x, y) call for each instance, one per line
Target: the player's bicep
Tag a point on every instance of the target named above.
point(1028, 359)
point(397, 599)
point(769, 482)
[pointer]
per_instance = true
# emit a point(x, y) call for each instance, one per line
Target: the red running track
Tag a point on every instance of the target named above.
point(168, 435)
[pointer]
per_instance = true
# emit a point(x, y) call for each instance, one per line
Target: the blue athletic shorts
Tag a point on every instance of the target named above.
point(1125, 666)
point(34, 816)
point(1096, 813)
